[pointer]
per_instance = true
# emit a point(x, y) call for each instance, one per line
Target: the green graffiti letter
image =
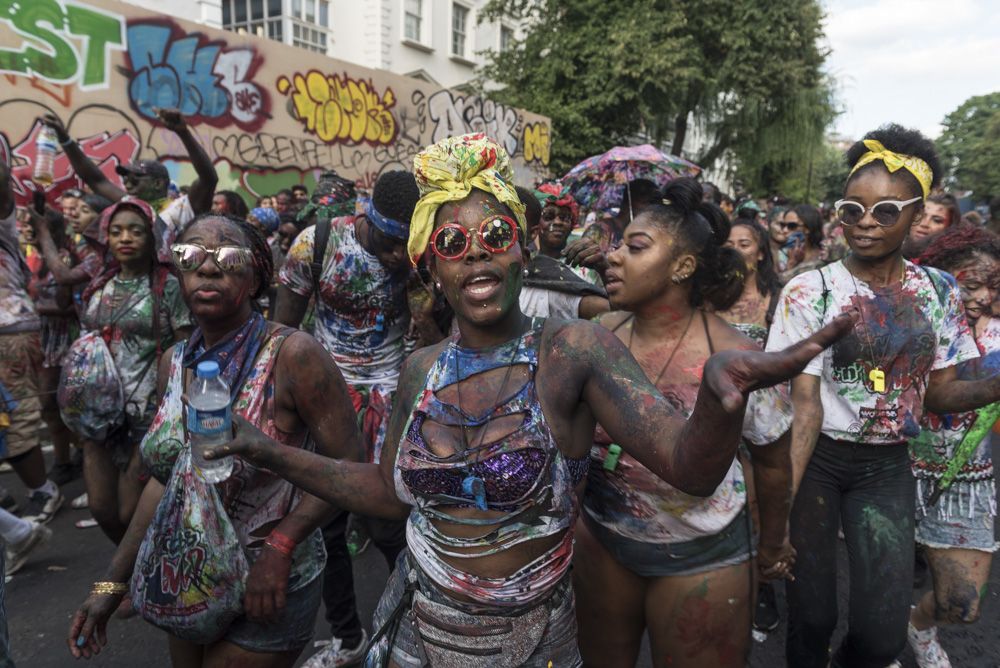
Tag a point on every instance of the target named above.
point(59, 61)
point(102, 32)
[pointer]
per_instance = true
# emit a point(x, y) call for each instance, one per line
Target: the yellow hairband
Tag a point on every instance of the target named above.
point(893, 161)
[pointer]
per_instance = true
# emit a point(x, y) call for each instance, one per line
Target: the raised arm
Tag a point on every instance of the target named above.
point(64, 275)
point(692, 455)
point(203, 187)
point(81, 164)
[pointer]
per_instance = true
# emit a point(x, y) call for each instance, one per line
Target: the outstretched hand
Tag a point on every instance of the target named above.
point(734, 374)
point(248, 442)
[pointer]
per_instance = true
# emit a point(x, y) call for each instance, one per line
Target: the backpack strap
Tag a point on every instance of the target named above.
point(320, 242)
point(825, 293)
point(941, 285)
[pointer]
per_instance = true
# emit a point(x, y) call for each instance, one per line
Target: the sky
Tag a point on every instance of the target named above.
point(910, 61)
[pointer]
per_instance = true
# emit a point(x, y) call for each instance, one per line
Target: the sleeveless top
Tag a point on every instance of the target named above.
point(525, 476)
point(633, 502)
point(254, 498)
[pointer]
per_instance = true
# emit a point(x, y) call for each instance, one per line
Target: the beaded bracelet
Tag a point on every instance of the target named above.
point(110, 588)
point(280, 542)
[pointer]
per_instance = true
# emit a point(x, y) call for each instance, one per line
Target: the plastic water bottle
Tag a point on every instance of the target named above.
point(209, 422)
point(46, 147)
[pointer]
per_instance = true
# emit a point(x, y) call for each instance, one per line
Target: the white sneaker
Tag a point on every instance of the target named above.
point(16, 554)
point(926, 648)
point(334, 655)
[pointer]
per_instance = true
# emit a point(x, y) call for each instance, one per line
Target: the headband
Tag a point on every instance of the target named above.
point(385, 225)
point(269, 218)
point(448, 171)
point(549, 193)
point(893, 161)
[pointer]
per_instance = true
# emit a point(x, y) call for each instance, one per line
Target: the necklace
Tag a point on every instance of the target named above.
point(673, 352)
point(876, 375)
point(472, 484)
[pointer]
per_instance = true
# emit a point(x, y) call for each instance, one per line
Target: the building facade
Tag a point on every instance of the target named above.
point(438, 41)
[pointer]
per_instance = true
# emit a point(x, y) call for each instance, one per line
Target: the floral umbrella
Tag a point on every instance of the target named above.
point(599, 182)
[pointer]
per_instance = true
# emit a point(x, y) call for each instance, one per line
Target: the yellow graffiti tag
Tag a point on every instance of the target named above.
point(340, 111)
point(536, 143)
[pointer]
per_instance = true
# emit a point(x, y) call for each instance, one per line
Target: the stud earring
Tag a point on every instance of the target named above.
point(525, 272)
point(676, 279)
point(437, 285)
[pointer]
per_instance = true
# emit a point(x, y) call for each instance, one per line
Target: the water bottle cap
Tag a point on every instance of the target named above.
point(208, 369)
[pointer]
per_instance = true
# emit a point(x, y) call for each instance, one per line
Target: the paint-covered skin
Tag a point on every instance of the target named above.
point(906, 331)
point(297, 396)
point(585, 374)
point(554, 229)
point(935, 220)
point(941, 435)
point(979, 281)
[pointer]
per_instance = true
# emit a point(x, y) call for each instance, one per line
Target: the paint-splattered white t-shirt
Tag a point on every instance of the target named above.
point(906, 332)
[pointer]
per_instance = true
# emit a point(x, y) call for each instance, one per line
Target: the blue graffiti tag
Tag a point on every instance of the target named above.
point(201, 78)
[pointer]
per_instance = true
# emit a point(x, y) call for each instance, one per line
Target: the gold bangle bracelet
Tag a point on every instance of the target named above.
point(110, 588)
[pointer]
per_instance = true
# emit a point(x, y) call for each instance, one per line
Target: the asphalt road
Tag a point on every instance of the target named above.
point(43, 596)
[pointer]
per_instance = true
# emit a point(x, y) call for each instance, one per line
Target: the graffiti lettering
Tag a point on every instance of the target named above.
point(340, 110)
point(56, 26)
point(462, 115)
point(205, 80)
point(177, 573)
point(107, 150)
point(536, 143)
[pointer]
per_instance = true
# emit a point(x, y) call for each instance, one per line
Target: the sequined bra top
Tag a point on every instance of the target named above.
point(524, 475)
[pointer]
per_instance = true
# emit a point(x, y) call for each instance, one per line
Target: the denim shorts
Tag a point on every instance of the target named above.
point(291, 633)
point(951, 522)
point(733, 545)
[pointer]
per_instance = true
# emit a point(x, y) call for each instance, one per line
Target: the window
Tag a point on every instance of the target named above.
point(308, 38)
point(257, 17)
point(506, 38)
point(412, 19)
point(459, 27)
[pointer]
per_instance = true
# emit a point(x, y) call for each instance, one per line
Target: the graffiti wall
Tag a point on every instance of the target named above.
point(269, 115)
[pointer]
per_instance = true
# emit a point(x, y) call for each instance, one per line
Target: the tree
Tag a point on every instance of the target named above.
point(821, 180)
point(968, 146)
point(747, 72)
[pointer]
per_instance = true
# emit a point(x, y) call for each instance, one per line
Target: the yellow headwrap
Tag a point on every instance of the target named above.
point(448, 171)
point(893, 161)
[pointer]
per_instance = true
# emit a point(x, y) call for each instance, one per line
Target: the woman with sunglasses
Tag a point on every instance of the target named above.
point(651, 556)
point(859, 403)
point(804, 225)
point(135, 301)
point(490, 435)
point(285, 384)
point(778, 235)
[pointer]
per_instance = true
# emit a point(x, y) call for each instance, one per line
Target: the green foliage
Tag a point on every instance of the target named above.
point(818, 180)
point(969, 146)
point(747, 72)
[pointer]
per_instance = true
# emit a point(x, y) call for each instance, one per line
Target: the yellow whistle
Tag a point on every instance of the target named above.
point(877, 377)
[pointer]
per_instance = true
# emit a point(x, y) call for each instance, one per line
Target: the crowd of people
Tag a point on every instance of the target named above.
point(560, 427)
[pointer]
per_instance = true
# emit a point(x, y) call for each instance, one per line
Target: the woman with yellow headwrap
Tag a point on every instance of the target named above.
point(491, 432)
point(859, 404)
